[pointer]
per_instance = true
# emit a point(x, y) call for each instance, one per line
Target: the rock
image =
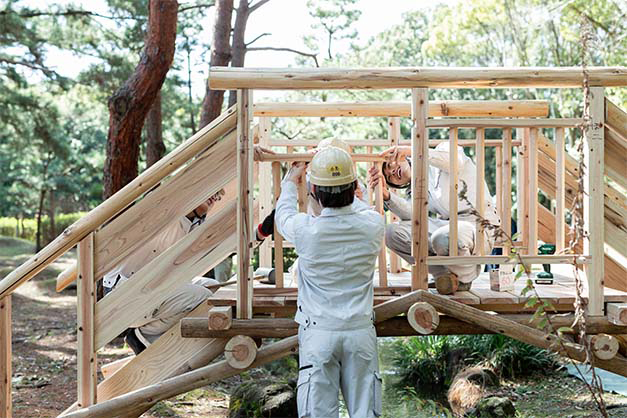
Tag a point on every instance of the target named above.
point(493, 407)
point(469, 387)
point(263, 399)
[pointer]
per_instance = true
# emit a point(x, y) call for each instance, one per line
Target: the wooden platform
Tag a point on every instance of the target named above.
point(561, 294)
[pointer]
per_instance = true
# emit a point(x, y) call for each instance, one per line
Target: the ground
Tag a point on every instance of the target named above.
point(44, 362)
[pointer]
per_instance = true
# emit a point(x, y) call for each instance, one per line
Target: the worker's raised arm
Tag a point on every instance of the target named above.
point(439, 157)
point(287, 205)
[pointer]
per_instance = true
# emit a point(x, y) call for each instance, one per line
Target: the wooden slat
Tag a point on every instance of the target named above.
point(244, 203)
point(616, 158)
point(394, 136)
point(480, 202)
point(419, 187)
point(196, 253)
point(560, 187)
point(519, 182)
point(86, 300)
point(278, 239)
point(506, 188)
point(229, 78)
point(6, 370)
point(594, 202)
point(498, 181)
point(453, 191)
point(533, 192)
point(502, 259)
point(470, 143)
point(616, 119)
point(265, 191)
point(524, 169)
point(502, 123)
point(383, 265)
point(96, 217)
point(209, 173)
point(437, 108)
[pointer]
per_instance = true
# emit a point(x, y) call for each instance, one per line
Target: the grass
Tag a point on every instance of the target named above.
point(13, 247)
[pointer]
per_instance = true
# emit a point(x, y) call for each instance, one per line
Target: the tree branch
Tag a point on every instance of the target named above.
point(196, 6)
point(47, 71)
point(257, 38)
point(257, 5)
point(69, 12)
point(269, 48)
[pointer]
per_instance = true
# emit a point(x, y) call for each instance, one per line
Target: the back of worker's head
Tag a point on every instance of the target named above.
point(332, 175)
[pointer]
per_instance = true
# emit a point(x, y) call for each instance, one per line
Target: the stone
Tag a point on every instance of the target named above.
point(263, 399)
point(493, 407)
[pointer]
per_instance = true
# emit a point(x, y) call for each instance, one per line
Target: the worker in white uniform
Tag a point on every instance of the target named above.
point(337, 251)
point(187, 297)
point(397, 174)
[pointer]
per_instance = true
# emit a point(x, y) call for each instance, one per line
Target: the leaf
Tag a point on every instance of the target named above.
point(531, 302)
point(562, 330)
point(543, 323)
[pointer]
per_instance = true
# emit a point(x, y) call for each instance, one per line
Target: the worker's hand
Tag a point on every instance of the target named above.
point(259, 151)
point(395, 153)
point(296, 173)
point(375, 177)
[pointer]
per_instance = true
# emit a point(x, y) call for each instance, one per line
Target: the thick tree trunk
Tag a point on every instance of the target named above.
point(129, 105)
point(155, 148)
point(52, 231)
point(220, 56)
point(239, 46)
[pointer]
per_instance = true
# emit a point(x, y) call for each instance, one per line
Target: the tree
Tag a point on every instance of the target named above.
point(129, 105)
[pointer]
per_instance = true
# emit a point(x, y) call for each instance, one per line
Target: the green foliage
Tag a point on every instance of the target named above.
point(27, 228)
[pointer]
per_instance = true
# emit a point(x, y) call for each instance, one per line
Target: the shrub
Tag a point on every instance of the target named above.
point(28, 227)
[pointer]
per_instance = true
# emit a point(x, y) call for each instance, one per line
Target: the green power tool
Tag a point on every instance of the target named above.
point(545, 277)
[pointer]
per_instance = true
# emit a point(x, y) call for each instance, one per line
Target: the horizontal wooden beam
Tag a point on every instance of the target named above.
point(496, 259)
point(307, 157)
point(456, 108)
point(229, 78)
point(381, 142)
point(504, 123)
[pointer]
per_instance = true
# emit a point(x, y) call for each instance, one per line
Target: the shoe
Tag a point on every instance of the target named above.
point(446, 284)
point(462, 287)
point(133, 341)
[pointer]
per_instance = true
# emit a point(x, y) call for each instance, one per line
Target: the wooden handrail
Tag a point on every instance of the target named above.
point(110, 207)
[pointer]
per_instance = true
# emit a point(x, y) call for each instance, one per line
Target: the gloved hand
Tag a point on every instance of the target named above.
point(266, 228)
point(296, 173)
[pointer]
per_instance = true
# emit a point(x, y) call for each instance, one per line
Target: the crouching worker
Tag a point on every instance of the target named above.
point(180, 302)
point(337, 252)
point(397, 174)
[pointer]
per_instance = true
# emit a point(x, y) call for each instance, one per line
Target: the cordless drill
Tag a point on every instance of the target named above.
point(545, 277)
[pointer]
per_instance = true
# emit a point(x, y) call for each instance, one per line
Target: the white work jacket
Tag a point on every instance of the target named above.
point(337, 253)
point(439, 181)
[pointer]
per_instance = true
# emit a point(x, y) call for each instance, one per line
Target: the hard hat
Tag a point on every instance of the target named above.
point(332, 166)
point(334, 142)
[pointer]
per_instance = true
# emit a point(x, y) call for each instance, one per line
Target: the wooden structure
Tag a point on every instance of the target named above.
point(220, 157)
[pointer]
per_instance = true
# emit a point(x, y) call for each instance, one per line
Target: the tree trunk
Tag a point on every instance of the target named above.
point(220, 56)
point(52, 231)
point(40, 209)
point(129, 105)
point(239, 47)
point(155, 148)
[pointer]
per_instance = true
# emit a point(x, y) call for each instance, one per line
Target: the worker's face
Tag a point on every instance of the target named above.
point(397, 173)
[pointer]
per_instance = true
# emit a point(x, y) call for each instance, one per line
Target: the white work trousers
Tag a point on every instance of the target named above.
point(334, 360)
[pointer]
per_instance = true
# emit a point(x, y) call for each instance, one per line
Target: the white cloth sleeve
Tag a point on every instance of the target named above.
point(286, 210)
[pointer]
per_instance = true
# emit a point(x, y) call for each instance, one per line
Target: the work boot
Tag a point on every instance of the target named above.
point(446, 284)
point(133, 341)
point(461, 287)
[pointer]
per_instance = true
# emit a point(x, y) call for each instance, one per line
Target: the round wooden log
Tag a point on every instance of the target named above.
point(622, 344)
point(240, 351)
point(220, 318)
point(423, 317)
point(604, 346)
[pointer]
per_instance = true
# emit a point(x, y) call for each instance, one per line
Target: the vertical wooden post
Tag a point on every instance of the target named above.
point(560, 189)
point(453, 191)
point(394, 135)
point(278, 239)
point(594, 211)
point(480, 203)
point(419, 187)
point(265, 191)
point(498, 181)
point(523, 192)
point(533, 192)
point(244, 203)
point(506, 189)
point(383, 265)
point(86, 302)
point(6, 370)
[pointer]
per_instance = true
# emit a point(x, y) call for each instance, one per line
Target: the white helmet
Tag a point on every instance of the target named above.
point(332, 166)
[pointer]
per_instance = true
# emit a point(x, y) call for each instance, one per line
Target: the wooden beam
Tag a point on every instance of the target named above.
point(220, 318)
point(604, 346)
point(502, 259)
point(469, 143)
point(394, 137)
point(480, 197)
point(383, 265)
point(419, 187)
point(240, 352)
point(305, 156)
point(519, 182)
point(594, 201)
point(229, 78)
point(506, 188)
point(244, 203)
point(560, 187)
point(278, 239)
point(437, 108)
point(617, 313)
point(498, 181)
point(96, 217)
point(266, 203)
point(87, 366)
point(453, 192)
point(194, 254)
point(524, 169)
point(6, 370)
point(533, 192)
point(503, 123)
point(615, 158)
point(108, 369)
point(616, 119)
point(423, 318)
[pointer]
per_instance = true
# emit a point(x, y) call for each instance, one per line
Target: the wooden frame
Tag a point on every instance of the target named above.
point(87, 366)
point(6, 370)
point(266, 203)
point(480, 176)
point(560, 183)
point(394, 137)
point(452, 193)
point(506, 188)
point(278, 239)
point(533, 192)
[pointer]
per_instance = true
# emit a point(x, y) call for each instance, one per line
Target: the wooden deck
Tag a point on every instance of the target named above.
point(561, 294)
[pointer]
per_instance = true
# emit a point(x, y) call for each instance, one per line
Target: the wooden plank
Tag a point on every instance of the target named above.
point(506, 188)
point(560, 187)
point(383, 265)
point(470, 143)
point(278, 239)
point(96, 217)
point(502, 123)
point(194, 254)
point(244, 203)
point(453, 191)
point(594, 202)
point(266, 203)
point(524, 232)
point(6, 370)
point(419, 187)
point(502, 259)
point(394, 136)
point(437, 108)
point(306, 156)
point(480, 198)
point(616, 119)
point(110, 368)
point(87, 366)
point(520, 199)
point(229, 78)
point(617, 313)
point(498, 181)
point(533, 192)
point(207, 174)
point(616, 158)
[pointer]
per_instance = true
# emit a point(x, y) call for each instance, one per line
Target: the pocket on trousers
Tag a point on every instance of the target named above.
point(377, 387)
point(302, 392)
